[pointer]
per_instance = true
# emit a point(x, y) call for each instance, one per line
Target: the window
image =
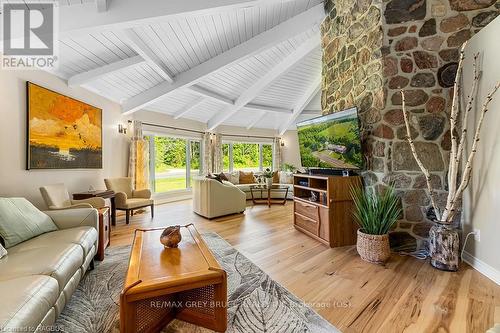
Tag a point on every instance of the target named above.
point(247, 156)
point(176, 162)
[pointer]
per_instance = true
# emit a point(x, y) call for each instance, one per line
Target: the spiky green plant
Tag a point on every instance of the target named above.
point(375, 213)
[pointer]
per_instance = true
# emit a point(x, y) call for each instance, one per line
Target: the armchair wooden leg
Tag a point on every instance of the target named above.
point(127, 216)
point(152, 211)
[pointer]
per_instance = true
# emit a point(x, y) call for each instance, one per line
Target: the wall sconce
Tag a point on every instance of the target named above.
point(122, 129)
point(282, 143)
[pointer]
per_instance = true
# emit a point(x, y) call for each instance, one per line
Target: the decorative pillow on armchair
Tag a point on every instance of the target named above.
point(20, 221)
point(246, 177)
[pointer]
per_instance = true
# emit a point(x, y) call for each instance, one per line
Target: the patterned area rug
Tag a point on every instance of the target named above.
point(256, 302)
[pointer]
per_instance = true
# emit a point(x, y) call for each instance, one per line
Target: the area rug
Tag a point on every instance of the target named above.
point(256, 302)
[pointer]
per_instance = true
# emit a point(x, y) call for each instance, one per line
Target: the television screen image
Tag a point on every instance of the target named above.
point(331, 141)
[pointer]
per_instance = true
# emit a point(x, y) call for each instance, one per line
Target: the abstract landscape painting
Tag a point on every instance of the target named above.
point(63, 133)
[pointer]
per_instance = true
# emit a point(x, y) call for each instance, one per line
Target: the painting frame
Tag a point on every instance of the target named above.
point(29, 158)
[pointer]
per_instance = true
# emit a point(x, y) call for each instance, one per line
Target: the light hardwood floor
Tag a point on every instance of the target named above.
point(405, 295)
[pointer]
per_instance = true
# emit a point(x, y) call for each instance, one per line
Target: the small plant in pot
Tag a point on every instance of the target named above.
point(268, 175)
point(376, 214)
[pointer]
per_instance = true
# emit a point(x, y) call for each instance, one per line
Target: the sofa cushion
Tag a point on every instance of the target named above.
point(25, 301)
point(20, 221)
point(59, 261)
point(3, 251)
point(246, 177)
point(276, 177)
point(84, 236)
point(233, 177)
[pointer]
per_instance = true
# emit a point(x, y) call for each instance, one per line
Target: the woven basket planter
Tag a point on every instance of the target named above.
point(373, 248)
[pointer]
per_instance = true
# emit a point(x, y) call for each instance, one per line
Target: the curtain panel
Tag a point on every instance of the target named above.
point(138, 166)
point(206, 148)
point(218, 154)
point(277, 154)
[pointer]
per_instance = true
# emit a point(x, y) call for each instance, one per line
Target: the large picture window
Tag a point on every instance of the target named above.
point(247, 156)
point(174, 162)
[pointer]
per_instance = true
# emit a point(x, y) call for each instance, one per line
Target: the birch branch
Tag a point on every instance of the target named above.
point(417, 158)
point(453, 168)
point(468, 165)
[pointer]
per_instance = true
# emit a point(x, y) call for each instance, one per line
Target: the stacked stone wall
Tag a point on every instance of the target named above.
point(374, 48)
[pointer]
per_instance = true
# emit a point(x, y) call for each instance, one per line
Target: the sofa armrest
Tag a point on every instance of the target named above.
point(72, 218)
point(78, 205)
point(120, 199)
point(93, 202)
point(144, 194)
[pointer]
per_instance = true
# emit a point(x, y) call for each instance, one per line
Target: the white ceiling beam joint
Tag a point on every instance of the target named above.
point(94, 74)
point(257, 87)
point(138, 45)
point(263, 41)
point(301, 105)
point(188, 108)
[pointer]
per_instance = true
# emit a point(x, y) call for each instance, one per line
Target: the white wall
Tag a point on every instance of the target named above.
point(15, 180)
point(482, 199)
point(291, 153)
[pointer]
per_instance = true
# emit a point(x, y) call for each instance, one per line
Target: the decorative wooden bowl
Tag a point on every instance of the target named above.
point(171, 236)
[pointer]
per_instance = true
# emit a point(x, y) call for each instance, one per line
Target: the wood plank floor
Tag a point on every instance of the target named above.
point(405, 295)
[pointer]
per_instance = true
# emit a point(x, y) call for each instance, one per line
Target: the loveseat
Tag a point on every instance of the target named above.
point(211, 198)
point(38, 275)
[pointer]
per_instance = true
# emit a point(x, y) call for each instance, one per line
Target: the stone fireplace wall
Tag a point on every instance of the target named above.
point(374, 48)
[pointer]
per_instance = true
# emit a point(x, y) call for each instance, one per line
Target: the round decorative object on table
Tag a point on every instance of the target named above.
point(171, 236)
point(444, 244)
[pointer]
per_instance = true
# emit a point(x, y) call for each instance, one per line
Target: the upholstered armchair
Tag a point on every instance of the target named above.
point(128, 199)
point(56, 196)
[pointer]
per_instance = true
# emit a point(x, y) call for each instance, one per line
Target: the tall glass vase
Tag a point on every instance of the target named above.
point(444, 245)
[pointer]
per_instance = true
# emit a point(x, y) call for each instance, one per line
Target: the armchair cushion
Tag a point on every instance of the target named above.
point(20, 221)
point(144, 194)
point(136, 203)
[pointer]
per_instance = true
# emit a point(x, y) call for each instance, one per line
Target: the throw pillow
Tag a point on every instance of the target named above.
point(3, 251)
point(286, 177)
point(246, 177)
point(216, 177)
point(276, 177)
point(20, 221)
point(223, 176)
point(234, 177)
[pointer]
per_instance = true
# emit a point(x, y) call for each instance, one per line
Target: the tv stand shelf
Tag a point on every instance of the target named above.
point(323, 208)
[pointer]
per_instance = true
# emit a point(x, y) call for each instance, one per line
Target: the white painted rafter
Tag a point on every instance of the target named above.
point(267, 108)
point(138, 45)
point(124, 14)
point(94, 74)
point(188, 108)
point(301, 105)
point(284, 31)
point(211, 95)
point(256, 120)
point(257, 87)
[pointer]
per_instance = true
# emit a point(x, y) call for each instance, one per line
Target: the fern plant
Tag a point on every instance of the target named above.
point(376, 213)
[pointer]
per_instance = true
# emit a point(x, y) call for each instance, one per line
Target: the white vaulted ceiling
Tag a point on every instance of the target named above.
point(242, 62)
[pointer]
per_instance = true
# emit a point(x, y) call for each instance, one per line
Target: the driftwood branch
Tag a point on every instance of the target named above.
point(417, 158)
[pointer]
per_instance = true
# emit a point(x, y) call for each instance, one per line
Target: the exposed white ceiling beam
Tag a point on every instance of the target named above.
point(102, 5)
point(257, 87)
point(138, 45)
point(304, 101)
point(284, 31)
point(267, 108)
point(256, 120)
point(94, 74)
point(188, 108)
point(211, 95)
point(122, 14)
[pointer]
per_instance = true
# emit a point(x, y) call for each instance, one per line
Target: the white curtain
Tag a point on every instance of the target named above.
point(206, 147)
point(138, 166)
point(277, 154)
point(218, 154)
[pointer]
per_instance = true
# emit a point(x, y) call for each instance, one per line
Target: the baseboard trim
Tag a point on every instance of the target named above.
point(482, 267)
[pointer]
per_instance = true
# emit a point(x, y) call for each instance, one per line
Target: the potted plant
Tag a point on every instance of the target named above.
point(376, 214)
point(268, 174)
point(443, 235)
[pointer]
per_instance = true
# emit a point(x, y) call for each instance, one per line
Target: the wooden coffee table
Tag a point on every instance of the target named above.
point(166, 283)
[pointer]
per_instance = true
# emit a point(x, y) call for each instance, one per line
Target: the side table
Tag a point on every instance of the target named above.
point(104, 232)
point(105, 194)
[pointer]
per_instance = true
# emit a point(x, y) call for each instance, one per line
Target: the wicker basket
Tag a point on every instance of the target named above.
point(373, 248)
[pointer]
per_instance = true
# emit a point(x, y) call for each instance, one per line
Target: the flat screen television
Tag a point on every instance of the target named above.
point(331, 141)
